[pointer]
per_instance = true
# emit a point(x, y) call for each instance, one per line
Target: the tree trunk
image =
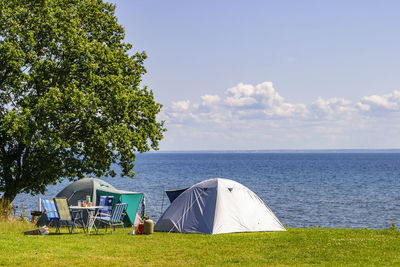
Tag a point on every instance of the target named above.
point(7, 198)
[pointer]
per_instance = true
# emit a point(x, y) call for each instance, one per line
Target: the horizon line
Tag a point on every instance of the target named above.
point(317, 150)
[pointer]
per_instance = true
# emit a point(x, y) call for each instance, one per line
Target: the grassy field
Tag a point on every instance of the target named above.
point(311, 246)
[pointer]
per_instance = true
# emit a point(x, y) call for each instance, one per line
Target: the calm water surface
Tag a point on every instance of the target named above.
point(346, 190)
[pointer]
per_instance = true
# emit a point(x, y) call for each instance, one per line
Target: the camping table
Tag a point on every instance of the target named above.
point(91, 212)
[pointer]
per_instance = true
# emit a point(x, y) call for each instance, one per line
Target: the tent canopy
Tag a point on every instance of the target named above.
point(95, 188)
point(78, 190)
point(218, 206)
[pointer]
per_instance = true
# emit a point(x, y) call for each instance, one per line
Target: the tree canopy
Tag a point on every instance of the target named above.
point(71, 102)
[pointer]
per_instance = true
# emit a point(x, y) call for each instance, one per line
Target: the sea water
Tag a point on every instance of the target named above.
point(344, 190)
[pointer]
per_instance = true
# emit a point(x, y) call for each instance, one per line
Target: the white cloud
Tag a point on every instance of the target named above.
point(240, 101)
point(257, 117)
point(241, 90)
point(331, 108)
point(269, 96)
point(363, 107)
point(240, 96)
point(181, 105)
point(264, 98)
point(210, 99)
point(387, 102)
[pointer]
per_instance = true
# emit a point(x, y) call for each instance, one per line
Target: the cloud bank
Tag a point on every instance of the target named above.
point(257, 117)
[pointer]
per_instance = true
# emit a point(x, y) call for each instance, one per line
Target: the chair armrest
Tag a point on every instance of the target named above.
point(50, 211)
point(104, 214)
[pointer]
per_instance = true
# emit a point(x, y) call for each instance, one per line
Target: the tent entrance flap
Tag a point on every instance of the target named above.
point(172, 194)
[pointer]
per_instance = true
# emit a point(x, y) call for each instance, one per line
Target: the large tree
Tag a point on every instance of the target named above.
point(71, 103)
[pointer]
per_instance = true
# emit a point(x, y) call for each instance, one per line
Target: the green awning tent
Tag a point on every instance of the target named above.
point(95, 188)
point(133, 199)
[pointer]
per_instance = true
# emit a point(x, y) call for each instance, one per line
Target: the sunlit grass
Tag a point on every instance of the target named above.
point(310, 246)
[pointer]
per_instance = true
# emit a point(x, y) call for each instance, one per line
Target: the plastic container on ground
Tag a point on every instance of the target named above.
point(148, 227)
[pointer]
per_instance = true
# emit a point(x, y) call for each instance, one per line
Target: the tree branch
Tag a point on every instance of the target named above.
point(2, 80)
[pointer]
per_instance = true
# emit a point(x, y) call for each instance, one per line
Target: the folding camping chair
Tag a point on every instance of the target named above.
point(50, 211)
point(115, 218)
point(64, 214)
point(106, 201)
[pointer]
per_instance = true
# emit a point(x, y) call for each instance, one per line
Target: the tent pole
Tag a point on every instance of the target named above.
point(144, 212)
point(162, 203)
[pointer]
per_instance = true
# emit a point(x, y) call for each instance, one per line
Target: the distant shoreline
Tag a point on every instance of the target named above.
point(293, 151)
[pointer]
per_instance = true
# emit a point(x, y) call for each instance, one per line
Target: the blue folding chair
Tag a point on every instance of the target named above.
point(50, 211)
point(105, 201)
point(115, 218)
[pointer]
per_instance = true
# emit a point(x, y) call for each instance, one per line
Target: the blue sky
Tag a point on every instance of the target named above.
point(271, 74)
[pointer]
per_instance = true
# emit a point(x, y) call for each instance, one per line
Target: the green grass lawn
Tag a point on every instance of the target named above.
point(310, 246)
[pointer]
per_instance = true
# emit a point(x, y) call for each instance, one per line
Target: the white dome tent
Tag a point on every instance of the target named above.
point(217, 206)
